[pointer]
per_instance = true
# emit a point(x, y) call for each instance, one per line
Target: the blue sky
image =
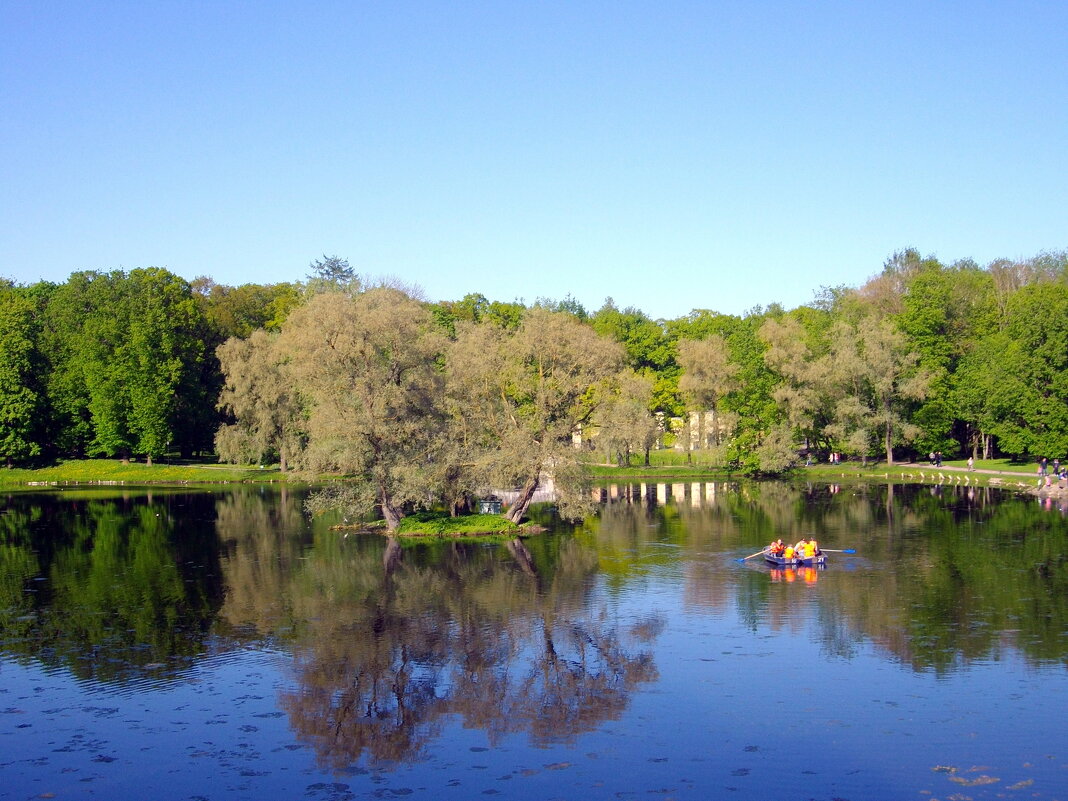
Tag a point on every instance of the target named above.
point(671, 155)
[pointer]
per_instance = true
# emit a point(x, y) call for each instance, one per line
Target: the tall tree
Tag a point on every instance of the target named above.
point(528, 391)
point(707, 375)
point(1031, 398)
point(163, 347)
point(368, 365)
point(624, 423)
point(20, 399)
point(875, 376)
point(800, 391)
point(125, 354)
point(260, 394)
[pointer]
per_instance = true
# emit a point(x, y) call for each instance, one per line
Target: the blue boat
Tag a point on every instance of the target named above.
point(818, 560)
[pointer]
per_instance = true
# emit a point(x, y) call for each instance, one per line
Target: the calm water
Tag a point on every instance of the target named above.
point(172, 645)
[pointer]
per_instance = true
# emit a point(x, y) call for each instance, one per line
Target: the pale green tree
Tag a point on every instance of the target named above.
point(708, 374)
point(525, 393)
point(624, 423)
point(368, 366)
point(263, 399)
point(875, 377)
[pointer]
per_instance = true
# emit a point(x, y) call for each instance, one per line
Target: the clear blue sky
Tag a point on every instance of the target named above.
point(671, 155)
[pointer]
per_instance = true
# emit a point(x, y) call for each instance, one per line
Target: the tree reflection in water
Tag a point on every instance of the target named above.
point(485, 634)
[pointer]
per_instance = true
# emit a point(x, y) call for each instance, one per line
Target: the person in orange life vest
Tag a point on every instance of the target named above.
point(776, 548)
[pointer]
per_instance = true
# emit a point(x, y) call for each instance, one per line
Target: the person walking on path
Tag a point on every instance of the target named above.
point(971, 462)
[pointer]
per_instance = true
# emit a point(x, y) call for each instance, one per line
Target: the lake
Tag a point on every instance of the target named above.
point(169, 644)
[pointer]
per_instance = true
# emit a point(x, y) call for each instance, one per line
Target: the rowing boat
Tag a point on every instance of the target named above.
point(795, 561)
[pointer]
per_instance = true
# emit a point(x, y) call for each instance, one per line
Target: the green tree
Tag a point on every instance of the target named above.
point(1031, 362)
point(368, 366)
point(650, 351)
point(20, 400)
point(528, 391)
point(259, 393)
point(875, 376)
point(707, 375)
point(125, 358)
point(800, 392)
point(624, 423)
point(163, 346)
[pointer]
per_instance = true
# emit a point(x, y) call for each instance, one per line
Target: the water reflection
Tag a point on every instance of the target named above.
point(503, 638)
point(108, 588)
point(389, 642)
point(948, 575)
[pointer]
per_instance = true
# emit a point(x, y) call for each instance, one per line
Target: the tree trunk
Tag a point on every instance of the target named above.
point(390, 512)
point(889, 447)
point(519, 508)
point(282, 460)
point(392, 556)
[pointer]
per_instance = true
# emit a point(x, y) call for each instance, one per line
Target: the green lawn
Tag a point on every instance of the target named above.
point(86, 471)
point(668, 463)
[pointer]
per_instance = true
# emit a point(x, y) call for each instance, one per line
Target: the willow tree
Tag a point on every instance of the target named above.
point(874, 377)
point(368, 366)
point(261, 396)
point(624, 423)
point(707, 375)
point(801, 391)
point(523, 393)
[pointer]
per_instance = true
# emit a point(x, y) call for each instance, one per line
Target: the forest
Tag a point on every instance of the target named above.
point(427, 400)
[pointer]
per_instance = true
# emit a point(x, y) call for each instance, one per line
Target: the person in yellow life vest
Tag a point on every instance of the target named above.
point(815, 545)
point(809, 551)
point(788, 552)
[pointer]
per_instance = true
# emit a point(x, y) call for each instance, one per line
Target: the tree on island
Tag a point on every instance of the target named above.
point(368, 367)
point(529, 391)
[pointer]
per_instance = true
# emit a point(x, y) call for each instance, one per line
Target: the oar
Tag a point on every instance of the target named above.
point(751, 555)
point(839, 550)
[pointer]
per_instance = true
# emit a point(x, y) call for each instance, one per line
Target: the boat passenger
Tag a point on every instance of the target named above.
point(815, 545)
point(788, 552)
point(809, 551)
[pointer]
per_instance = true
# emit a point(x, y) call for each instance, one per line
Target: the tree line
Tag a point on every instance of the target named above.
point(428, 400)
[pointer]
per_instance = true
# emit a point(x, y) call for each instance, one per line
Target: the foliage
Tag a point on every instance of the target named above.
point(260, 396)
point(524, 393)
point(20, 398)
point(438, 525)
point(367, 365)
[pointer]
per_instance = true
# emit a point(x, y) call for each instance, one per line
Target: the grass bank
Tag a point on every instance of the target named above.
point(113, 471)
point(666, 465)
point(437, 526)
